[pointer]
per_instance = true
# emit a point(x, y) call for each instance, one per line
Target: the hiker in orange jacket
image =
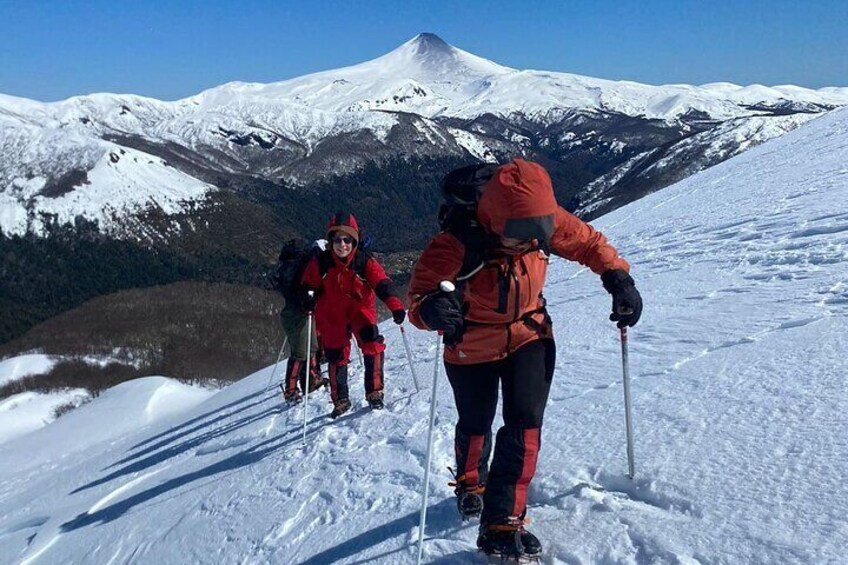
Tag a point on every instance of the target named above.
point(346, 280)
point(497, 331)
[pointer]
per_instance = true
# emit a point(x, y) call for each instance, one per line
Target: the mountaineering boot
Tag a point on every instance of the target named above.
point(316, 381)
point(532, 545)
point(375, 400)
point(294, 372)
point(292, 396)
point(469, 503)
point(340, 407)
point(509, 540)
point(469, 498)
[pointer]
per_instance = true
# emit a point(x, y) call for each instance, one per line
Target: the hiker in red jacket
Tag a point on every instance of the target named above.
point(346, 280)
point(498, 333)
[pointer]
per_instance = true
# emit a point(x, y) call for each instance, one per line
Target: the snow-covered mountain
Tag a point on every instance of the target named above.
point(738, 385)
point(425, 98)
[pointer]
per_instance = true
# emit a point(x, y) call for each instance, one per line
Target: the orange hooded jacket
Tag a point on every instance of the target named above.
point(503, 303)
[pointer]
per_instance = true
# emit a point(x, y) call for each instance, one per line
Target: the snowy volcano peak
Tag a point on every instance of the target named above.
point(429, 53)
point(425, 75)
point(428, 57)
point(428, 45)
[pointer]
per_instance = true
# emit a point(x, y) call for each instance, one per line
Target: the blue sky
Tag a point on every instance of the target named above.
point(169, 50)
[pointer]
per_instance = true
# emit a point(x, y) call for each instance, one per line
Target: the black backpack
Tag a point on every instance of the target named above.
point(294, 256)
point(461, 191)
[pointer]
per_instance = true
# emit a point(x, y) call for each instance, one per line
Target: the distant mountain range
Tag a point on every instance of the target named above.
point(231, 171)
point(108, 157)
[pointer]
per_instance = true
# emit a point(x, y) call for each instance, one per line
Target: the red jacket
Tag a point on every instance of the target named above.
point(503, 301)
point(342, 291)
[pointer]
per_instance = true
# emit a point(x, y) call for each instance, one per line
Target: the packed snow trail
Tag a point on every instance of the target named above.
point(738, 370)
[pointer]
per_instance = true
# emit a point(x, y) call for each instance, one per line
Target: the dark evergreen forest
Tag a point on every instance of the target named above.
point(233, 241)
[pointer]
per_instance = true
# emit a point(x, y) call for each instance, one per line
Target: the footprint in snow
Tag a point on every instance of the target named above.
point(641, 490)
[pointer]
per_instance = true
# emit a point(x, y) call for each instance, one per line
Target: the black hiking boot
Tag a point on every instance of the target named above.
point(509, 541)
point(375, 400)
point(469, 498)
point(318, 383)
point(469, 504)
point(340, 407)
point(291, 396)
point(316, 379)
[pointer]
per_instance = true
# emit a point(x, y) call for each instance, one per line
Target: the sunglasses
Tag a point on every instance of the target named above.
point(343, 239)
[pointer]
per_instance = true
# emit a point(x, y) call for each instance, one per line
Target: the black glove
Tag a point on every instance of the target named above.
point(399, 316)
point(308, 301)
point(443, 312)
point(370, 333)
point(626, 300)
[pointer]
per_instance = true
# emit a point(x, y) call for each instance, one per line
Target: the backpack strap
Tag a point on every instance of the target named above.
point(360, 261)
point(325, 262)
point(475, 242)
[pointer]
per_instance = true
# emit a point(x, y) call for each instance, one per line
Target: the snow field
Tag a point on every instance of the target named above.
point(738, 386)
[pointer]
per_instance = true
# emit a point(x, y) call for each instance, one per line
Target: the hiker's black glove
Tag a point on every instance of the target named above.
point(626, 300)
point(370, 333)
point(399, 316)
point(443, 312)
point(307, 300)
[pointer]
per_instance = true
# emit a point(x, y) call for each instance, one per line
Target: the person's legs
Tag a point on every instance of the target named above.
point(526, 382)
point(295, 324)
point(316, 381)
point(475, 391)
point(335, 339)
point(369, 340)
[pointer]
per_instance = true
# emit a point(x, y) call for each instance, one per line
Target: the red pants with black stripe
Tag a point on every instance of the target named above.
point(336, 330)
point(525, 377)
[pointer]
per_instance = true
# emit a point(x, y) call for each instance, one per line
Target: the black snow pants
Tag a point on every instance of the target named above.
point(525, 377)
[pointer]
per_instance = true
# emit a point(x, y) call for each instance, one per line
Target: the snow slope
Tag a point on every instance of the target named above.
point(23, 366)
point(25, 412)
point(112, 181)
point(739, 401)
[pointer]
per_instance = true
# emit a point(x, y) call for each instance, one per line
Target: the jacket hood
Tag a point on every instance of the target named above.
point(345, 223)
point(518, 202)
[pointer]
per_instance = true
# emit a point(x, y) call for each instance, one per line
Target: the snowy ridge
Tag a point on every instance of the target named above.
point(24, 366)
point(738, 382)
point(270, 130)
point(726, 140)
point(430, 77)
point(23, 413)
point(48, 165)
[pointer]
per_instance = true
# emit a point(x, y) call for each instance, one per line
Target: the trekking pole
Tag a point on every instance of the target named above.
point(444, 286)
point(311, 293)
point(409, 358)
point(279, 357)
point(627, 406)
point(358, 354)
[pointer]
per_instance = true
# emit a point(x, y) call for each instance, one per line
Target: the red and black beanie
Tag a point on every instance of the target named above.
point(344, 223)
